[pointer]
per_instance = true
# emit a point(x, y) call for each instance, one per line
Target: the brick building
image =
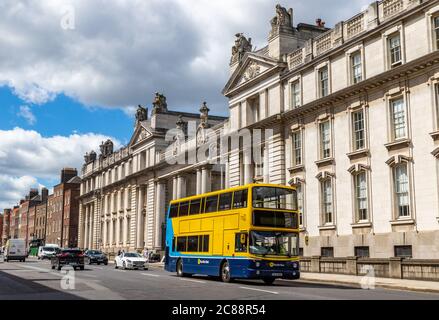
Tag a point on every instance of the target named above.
point(4, 230)
point(63, 210)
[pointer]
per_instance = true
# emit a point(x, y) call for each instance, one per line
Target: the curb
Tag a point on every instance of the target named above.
point(377, 285)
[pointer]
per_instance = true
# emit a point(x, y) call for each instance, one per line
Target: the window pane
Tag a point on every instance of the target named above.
point(212, 204)
point(402, 190)
point(398, 117)
point(225, 201)
point(325, 137)
point(327, 201)
point(295, 95)
point(184, 209)
point(241, 242)
point(192, 244)
point(206, 243)
point(297, 148)
point(195, 206)
point(173, 211)
point(395, 50)
point(181, 244)
point(358, 129)
point(361, 196)
point(436, 31)
point(323, 77)
point(328, 252)
point(240, 199)
point(403, 251)
point(357, 72)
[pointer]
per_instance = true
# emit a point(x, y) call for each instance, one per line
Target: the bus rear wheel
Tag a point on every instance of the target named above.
point(180, 268)
point(225, 273)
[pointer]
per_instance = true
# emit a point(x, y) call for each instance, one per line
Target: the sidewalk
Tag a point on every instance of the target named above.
point(397, 284)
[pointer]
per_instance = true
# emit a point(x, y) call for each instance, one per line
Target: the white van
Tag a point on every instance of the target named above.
point(48, 251)
point(15, 249)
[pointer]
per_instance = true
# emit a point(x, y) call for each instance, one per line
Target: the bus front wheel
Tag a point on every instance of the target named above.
point(269, 281)
point(225, 272)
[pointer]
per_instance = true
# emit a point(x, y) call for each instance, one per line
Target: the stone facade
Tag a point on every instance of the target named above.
point(124, 194)
point(354, 111)
point(352, 114)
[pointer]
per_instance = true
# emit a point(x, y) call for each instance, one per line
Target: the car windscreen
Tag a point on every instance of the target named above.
point(49, 249)
point(71, 251)
point(132, 255)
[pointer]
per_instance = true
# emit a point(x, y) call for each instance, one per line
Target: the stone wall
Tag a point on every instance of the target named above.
point(397, 268)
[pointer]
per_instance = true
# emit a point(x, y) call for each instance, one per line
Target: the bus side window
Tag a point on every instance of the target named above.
point(184, 209)
point(240, 199)
point(173, 211)
point(225, 201)
point(182, 244)
point(212, 204)
point(241, 242)
point(195, 207)
point(205, 243)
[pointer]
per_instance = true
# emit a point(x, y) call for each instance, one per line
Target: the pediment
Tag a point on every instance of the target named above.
point(251, 68)
point(141, 133)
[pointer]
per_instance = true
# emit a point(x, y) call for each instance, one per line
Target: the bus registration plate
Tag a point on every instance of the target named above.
point(277, 274)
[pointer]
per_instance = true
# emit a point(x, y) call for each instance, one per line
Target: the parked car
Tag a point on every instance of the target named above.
point(95, 256)
point(47, 251)
point(15, 249)
point(68, 257)
point(131, 260)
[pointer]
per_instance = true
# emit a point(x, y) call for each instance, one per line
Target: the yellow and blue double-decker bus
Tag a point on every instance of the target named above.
point(248, 232)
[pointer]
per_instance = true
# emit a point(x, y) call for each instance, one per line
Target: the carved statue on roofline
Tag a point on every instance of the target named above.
point(242, 45)
point(141, 114)
point(159, 105)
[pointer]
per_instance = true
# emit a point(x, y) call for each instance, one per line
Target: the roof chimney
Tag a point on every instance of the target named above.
point(67, 174)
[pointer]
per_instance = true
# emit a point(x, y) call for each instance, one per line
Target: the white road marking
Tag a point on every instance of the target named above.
point(117, 270)
point(190, 280)
point(260, 290)
point(88, 275)
point(151, 275)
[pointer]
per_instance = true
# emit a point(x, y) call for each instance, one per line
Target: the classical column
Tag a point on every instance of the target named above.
point(105, 232)
point(181, 187)
point(159, 213)
point(266, 165)
point(227, 175)
point(125, 220)
point(90, 232)
point(86, 227)
point(205, 180)
point(175, 188)
point(248, 176)
point(81, 226)
point(139, 232)
point(118, 224)
point(199, 181)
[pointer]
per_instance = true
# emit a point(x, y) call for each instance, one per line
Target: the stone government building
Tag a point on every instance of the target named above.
point(355, 117)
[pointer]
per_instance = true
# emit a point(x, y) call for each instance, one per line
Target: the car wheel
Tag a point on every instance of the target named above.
point(82, 268)
point(106, 263)
point(225, 272)
point(124, 266)
point(269, 281)
point(53, 267)
point(59, 268)
point(145, 269)
point(24, 260)
point(89, 261)
point(99, 263)
point(115, 265)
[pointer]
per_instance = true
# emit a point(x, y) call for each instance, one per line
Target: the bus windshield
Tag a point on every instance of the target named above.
point(274, 243)
point(274, 198)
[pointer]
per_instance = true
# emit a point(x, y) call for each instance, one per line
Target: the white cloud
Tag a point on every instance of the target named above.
point(26, 157)
point(26, 113)
point(121, 52)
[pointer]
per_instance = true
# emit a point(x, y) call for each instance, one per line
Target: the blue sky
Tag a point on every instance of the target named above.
point(73, 71)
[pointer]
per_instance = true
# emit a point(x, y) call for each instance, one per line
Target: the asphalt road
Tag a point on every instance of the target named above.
point(35, 280)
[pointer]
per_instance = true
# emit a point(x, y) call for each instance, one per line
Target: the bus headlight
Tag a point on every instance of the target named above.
point(258, 264)
point(295, 265)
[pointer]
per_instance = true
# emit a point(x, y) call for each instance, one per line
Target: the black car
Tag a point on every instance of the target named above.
point(68, 257)
point(95, 256)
